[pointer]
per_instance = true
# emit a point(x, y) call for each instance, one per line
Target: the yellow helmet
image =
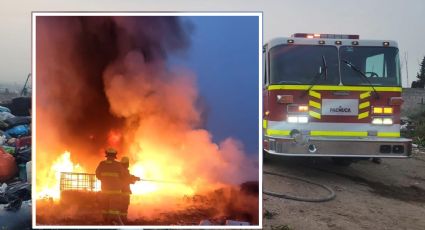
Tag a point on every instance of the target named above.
point(125, 160)
point(110, 152)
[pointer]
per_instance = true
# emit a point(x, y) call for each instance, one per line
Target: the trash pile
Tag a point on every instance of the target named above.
point(15, 163)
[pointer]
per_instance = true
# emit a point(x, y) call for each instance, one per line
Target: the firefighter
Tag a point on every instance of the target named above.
point(126, 191)
point(111, 173)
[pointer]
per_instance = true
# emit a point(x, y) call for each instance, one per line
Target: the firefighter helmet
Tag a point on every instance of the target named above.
point(110, 152)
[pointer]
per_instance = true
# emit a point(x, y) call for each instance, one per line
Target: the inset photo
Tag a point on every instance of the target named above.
point(147, 119)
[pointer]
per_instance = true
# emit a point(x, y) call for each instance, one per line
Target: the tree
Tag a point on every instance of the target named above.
point(421, 76)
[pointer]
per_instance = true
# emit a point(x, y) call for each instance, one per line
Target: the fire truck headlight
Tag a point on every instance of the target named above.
point(377, 121)
point(297, 119)
point(303, 119)
point(387, 121)
point(382, 121)
point(292, 119)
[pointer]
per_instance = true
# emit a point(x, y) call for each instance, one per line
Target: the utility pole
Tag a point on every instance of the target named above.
point(406, 56)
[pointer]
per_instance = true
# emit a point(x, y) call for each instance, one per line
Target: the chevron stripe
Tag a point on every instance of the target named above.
point(365, 95)
point(314, 104)
point(363, 115)
point(364, 105)
point(314, 114)
point(314, 94)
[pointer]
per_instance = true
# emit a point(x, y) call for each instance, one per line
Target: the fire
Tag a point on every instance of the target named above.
point(155, 178)
point(51, 183)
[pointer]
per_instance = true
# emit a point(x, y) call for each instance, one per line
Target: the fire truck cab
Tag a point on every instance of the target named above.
point(328, 95)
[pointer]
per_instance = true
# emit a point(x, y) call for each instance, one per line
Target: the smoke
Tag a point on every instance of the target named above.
point(104, 81)
point(72, 54)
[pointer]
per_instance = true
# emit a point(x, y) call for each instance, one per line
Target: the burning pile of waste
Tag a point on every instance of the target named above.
point(104, 82)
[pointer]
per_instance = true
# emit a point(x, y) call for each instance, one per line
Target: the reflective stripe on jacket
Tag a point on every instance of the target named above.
point(110, 173)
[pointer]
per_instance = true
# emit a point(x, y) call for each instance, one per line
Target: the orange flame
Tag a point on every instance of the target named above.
point(50, 184)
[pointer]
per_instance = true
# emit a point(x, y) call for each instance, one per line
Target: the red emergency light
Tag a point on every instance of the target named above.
point(332, 36)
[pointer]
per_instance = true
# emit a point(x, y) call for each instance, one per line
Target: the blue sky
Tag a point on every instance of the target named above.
point(224, 56)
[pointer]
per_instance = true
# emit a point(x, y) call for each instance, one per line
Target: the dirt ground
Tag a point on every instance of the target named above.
point(390, 195)
point(227, 203)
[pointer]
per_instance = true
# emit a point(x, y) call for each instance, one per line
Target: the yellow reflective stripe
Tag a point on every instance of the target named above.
point(364, 105)
point(264, 124)
point(112, 212)
point(363, 115)
point(112, 192)
point(314, 114)
point(314, 104)
point(123, 214)
point(339, 133)
point(365, 95)
point(277, 132)
point(314, 94)
point(335, 133)
point(111, 174)
point(334, 87)
point(388, 134)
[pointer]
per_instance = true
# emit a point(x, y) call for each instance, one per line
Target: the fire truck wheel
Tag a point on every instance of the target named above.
point(342, 161)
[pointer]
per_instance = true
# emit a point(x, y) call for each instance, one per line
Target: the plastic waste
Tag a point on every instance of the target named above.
point(3, 188)
point(29, 171)
point(2, 139)
point(23, 155)
point(6, 115)
point(11, 141)
point(14, 121)
point(22, 172)
point(9, 149)
point(8, 168)
point(4, 109)
point(21, 106)
point(3, 125)
point(23, 142)
point(19, 130)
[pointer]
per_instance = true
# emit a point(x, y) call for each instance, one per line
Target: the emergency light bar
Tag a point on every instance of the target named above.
point(333, 36)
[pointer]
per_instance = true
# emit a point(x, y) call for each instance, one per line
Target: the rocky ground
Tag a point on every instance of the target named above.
point(390, 195)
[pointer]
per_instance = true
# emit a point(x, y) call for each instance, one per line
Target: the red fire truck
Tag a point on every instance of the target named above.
point(329, 95)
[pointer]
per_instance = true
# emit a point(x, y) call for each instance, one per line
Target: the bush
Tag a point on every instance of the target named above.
point(418, 132)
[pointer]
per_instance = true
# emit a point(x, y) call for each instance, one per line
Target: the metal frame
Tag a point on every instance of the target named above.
point(78, 181)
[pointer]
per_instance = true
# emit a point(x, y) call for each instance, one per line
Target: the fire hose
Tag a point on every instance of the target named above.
point(331, 195)
point(161, 181)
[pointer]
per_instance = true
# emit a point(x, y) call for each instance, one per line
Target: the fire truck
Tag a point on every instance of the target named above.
point(332, 95)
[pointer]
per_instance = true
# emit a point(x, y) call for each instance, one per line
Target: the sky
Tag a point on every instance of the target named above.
point(227, 75)
point(397, 20)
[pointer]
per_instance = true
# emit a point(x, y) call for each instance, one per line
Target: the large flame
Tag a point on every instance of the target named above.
point(50, 187)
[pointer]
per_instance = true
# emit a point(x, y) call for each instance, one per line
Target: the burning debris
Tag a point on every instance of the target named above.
point(104, 81)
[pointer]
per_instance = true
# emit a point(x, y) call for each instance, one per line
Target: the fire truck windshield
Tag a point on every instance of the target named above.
point(299, 64)
point(380, 65)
